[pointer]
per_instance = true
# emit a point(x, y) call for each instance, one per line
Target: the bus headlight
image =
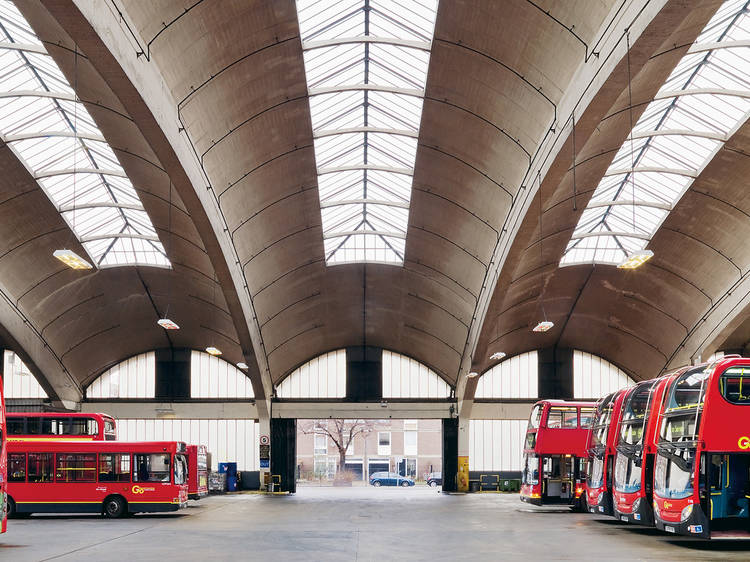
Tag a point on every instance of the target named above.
point(599, 498)
point(686, 511)
point(656, 509)
point(636, 505)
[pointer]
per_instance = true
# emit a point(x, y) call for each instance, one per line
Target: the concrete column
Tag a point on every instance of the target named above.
point(462, 480)
point(264, 432)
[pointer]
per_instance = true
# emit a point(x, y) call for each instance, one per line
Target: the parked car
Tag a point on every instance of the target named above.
point(434, 479)
point(390, 479)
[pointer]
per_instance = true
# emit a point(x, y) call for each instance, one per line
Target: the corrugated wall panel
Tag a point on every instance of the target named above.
point(516, 377)
point(132, 378)
point(322, 377)
point(212, 377)
point(18, 381)
point(496, 444)
point(404, 377)
point(594, 377)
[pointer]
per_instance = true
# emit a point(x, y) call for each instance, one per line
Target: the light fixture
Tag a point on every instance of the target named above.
point(497, 355)
point(242, 366)
point(71, 259)
point(211, 350)
point(473, 374)
point(167, 324)
point(636, 259)
point(543, 326)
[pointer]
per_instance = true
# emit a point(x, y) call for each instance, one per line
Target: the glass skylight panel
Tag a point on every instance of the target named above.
point(366, 67)
point(53, 134)
point(702, 103)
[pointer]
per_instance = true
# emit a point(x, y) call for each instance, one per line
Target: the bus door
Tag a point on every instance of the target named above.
point(608, 474)
point(558, 477)
point(729, 486)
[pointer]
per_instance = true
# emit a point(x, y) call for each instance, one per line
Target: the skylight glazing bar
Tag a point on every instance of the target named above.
point(702, 103)
point(53, 134)
point(366, 68)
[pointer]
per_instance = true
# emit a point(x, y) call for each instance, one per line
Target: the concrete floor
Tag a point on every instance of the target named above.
point(351, 524)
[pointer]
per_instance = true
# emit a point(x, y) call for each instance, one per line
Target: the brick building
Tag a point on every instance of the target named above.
point(410, 447)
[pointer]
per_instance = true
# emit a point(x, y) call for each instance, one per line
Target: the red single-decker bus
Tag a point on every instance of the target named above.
point(702, 470)
point(555, 448)
point(108, 477)
point(198, 461)
point(601, 451)
point(3, 465)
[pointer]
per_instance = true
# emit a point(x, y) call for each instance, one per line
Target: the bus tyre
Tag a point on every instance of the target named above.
point(11, 507)
point(376, 484)
point(114, 506)
point(404, 484)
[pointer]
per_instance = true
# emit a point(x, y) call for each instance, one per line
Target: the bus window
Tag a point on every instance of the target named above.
point(151, 468)
point(536, 416)
point(587, 417)
point(554, 418)
point(570, 419)
point(180, 469)
point(76, 467)
point(15, 426)
point(83, 426)
point(735, 385)
point(530, 473)
point(109, 430)
point(40, 467)
point(16, 467)
point(114, 467)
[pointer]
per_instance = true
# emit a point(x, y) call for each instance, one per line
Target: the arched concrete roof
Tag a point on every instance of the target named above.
point(214, 96)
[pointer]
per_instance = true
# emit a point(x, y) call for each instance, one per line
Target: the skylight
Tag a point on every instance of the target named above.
point(366, 65)
point(702, 103)
point(52, 133)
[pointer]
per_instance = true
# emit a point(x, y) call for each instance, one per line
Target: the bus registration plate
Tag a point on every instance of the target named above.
point(668, 529)
point(624, 518)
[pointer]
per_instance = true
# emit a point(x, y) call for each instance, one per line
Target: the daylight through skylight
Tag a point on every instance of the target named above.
point(52, 133)
point(366, 65)
point(702, 103)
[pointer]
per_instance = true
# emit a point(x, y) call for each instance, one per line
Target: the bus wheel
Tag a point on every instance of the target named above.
point(114, 506)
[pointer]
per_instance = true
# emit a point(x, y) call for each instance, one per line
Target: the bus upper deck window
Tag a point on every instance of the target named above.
point(734, 385)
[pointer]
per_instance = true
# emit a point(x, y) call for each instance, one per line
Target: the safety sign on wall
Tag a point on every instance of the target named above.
point(265, 452)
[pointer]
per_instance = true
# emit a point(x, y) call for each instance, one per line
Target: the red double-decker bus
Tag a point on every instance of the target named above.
point(108, 477)
point(636, 450)
point(198, 466)
point(555, 452)
point(61, 425)
point(3, 465)
point(601, 452)
point(702, 469)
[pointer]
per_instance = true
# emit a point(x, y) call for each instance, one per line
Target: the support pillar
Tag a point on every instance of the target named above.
point(450, 454)
point(284, 453)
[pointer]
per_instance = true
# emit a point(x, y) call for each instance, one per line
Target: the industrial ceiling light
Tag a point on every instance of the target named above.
point(211, 350)
point(167, 324)
point(636, 259)
point(543, 326)
point(497, 355)
point(71, 259)
point(242, 366)
point(473, 374)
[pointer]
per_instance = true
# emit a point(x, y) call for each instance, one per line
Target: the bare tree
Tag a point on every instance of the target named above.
point(341, 432)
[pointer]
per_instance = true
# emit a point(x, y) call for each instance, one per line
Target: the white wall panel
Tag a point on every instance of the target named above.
point(322, 377)
point(212, 377)
point(594, 377)
point(403, 377)
point(516, 377)
point(18, 382)
point(496, 444)
point(227, 440)
point(133, 378)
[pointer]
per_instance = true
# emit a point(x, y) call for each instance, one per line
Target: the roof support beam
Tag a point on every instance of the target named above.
point(404, 171)
point(702, 91)
point(46, 134)
point(25, 47)
point(133, 206)
point(679, 133)
point(95, 237)
point(39, 94)
point(604, 234)
point(421, 45)
point(342, 233)
point(383, 202)
point(367, 88)
point(652, 204)
point(654, 169)
point(703, 47)
point(332, 132)
point(71, 171)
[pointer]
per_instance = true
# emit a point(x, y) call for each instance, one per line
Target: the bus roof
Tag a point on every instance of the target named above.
point(36, 445)
point(58, 415)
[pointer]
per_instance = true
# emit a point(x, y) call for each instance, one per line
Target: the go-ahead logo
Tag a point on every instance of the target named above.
point(743, 442)
point(138, 490)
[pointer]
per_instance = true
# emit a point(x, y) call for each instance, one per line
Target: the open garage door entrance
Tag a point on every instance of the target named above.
point(347, 452)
